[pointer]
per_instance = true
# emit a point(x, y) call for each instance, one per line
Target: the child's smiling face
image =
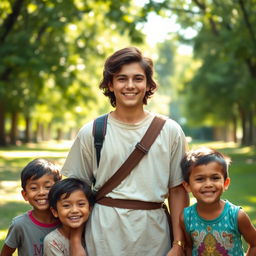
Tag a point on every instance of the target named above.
point(206, 182)
point(72, 211)
point(36, 191)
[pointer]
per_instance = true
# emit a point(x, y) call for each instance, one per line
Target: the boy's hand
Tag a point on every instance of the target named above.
point(77, 241)
point(76, 233)
point(176, 251)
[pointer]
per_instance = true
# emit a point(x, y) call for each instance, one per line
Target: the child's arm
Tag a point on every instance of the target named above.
point(248, 232)
point(7, 251)
point(178, 199)
point(76, 244)
point(188, 241)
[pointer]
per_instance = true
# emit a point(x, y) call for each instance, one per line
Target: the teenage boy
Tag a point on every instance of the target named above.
point(111, 230)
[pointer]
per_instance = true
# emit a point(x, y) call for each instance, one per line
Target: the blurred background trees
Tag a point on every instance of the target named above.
point(52, 53)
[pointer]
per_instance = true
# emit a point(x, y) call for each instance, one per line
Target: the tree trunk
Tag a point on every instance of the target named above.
point(59, 134)
point(234, 122)
point(37, 132)
point(14, 127)
point(2, 125)
point(28, 129)
point(254, 125)
point(250, 128)
point(49, 131)
point(243, 122)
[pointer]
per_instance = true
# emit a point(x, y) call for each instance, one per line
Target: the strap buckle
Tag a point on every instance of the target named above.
point(141, 147)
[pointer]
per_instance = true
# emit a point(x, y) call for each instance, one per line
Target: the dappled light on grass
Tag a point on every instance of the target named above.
point(60, 145)
point(3, 234)
point(252, 198)
point(10, 191)
point(22, 154)
point(213, 144)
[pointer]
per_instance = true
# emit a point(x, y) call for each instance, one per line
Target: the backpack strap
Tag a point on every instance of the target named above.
point(99, 132)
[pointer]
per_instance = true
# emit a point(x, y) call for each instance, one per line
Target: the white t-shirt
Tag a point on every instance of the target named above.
point(115, 231)
point(55, 244)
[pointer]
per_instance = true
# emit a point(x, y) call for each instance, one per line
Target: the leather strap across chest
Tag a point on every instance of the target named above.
point(140, 150)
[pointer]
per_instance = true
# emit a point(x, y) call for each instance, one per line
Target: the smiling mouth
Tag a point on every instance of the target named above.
point(130, 94)
point(208, 193)
point(42, 201)
point(75, 218)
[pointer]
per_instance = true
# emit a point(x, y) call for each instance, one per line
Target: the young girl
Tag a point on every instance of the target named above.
point(213, 226)
point(27, 231)
point(71, 201)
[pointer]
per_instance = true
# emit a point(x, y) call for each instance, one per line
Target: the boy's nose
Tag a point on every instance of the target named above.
point(130, 83)
point(74, 208)
point(208, 183)
point(42, 191)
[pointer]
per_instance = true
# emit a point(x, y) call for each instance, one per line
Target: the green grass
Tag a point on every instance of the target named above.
point(13, 159)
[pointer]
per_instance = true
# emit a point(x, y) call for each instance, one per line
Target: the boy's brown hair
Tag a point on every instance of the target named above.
point(114, 64)
point(203, 156)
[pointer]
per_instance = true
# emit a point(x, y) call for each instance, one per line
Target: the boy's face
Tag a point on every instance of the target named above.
point(36, 191)
point(206, 182)
point(129, 86)
point(72, 211)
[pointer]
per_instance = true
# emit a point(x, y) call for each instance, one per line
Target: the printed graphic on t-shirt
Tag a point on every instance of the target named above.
point(212, 244)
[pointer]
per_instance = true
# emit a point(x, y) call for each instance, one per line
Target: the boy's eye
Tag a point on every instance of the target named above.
point(48, 187)
point(82, 204)
point(33, 188)
point(65, 205)
point(216, 177)
point(138, 79)
point(199, 179)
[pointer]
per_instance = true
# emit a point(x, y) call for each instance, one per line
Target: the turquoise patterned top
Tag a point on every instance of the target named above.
point(218, 237)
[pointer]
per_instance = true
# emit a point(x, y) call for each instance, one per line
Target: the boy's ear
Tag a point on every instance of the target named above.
point(110, 86)
point(226, 183)
point(54, 212)
point(24, 194)
point(186, 186)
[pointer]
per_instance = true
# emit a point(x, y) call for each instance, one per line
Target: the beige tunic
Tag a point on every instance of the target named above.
point(115, 231)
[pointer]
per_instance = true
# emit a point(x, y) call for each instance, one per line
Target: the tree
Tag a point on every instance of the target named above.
point(44, 42)
point(225, 44)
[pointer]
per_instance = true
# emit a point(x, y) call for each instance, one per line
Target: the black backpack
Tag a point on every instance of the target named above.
point(99, 132)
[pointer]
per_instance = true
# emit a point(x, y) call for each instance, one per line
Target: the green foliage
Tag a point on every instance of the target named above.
point(221, 89)
point(52, 53)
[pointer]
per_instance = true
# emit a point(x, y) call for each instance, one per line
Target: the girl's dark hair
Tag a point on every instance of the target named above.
point(203, 156)
point(114, 64)
point(37, 168)
point(66, 187)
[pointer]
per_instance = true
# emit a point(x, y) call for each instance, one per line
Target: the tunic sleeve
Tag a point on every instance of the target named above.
point(178, 148)
point(79, 162)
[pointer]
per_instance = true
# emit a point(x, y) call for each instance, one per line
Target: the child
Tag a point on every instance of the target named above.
point(28, 230)
point(71, 201)
point(213, 226)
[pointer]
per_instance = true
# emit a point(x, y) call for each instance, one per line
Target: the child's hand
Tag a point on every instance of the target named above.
point(77, 241)
point(176, 251)
point(76, 233)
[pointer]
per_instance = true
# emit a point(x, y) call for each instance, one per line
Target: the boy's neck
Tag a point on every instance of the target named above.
point(45, 217)
point(131, 116)
point(65, 231)
point(210, 211)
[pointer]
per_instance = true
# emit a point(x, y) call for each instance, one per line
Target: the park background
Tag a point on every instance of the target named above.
point(51, 58)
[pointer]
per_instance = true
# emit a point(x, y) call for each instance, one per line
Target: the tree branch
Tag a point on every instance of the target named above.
point(11, 19)
point(247, 21)
point(212, 22)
